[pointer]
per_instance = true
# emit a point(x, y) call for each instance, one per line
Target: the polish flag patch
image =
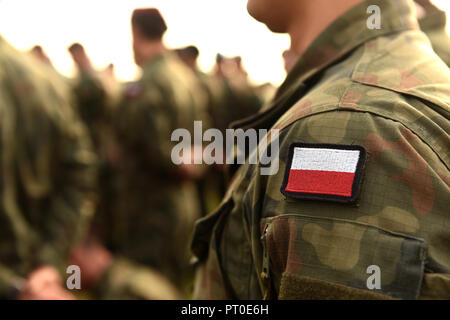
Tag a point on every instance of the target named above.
point(324, 172)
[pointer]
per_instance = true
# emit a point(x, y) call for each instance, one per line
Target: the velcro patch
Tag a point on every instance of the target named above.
point(327, 172)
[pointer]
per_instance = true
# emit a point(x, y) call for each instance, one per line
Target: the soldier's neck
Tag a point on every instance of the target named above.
point(151, 50)
point(313, 18)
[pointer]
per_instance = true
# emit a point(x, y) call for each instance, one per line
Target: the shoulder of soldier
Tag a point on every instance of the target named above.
point(34, 85)
point(441, 44)
point(390, 81)
point(132, 90)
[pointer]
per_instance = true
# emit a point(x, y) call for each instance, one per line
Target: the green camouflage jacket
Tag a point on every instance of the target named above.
point(155, 208)
point(48, 170)
point(91, 100)
point(383, 96)
point(433, 24)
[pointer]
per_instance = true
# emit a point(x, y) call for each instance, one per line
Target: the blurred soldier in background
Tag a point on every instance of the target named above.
point(433, 22)
point(38, 52)
point(238, 98)
point(95, 95)
point(90, 93)
point(156, 202)
point(368, 100)
point(138, 247)
point(210, 185)
point(48, 172)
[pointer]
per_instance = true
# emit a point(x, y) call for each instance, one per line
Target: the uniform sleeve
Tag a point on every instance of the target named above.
point(391, 232)
point(75, 189)
point(10, 283)
point(143, 127)
point(73, 182)
point(91, 98)
point(391, 243)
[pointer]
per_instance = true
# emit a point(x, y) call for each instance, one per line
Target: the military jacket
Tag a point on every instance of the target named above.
point(384, 94)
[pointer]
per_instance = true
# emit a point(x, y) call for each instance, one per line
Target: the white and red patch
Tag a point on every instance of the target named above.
point(324, 172)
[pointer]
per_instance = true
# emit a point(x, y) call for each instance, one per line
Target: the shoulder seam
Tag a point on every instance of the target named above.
point(344, 109)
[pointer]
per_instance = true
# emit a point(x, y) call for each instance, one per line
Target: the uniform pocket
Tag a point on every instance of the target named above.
point(325, 258)
point(204, 229)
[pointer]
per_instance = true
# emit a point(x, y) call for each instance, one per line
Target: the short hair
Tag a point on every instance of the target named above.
point(150, 22)
point(189, 51)
point(37, 48)
point(75, 46)
point(219, 58)
point(192, 51)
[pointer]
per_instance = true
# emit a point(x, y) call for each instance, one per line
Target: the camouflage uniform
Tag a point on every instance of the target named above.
point(156, 207)
point(125, 280)
point(91, 99)
point(433, 24)
point(386, 91)
point(48, 170)
point(235, 99)
point(95, 103)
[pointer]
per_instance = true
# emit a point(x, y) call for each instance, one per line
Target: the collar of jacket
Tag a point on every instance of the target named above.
point(343, 36)
point(150, 66)
point(434, 18)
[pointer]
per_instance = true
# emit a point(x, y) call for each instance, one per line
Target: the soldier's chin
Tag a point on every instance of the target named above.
point(268, 17)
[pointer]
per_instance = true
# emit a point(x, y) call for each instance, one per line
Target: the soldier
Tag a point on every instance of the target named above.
point(91, 96)
point(238, 99)
point(359, 206)
point(95, 99)
point(38, 52)
point(433, 22)
point(156, 200)
point(211, 185)
point(48, 172)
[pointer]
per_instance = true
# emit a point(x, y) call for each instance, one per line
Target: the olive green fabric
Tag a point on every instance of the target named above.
point(385, 90)
point(434, 24)
point(155, 206)
point(48, 169)
point(126, 280)
point(294, 287)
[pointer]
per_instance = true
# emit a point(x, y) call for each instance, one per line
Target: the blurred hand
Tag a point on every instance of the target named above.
point(93, 260)
point(188, 169)
point(44, 283)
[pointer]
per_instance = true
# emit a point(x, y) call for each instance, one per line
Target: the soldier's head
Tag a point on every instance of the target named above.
point(302, 19)
point(40, 54)
point(148, 27)
point(189, 56)
point(275, 14)
point(280, 15)
point(79, 56)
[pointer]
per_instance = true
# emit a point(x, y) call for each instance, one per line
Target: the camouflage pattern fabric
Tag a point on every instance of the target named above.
point(387, 91)
point(126, 280)
point(155, 207)
point(91, 100)
point(95, 101)
point(48, 170)
point(433, 24)
point(234, 100)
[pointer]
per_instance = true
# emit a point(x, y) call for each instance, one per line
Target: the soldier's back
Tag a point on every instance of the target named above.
point(156, 205)
point(47, 169)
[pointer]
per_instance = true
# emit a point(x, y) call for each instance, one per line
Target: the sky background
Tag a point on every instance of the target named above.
point(103, 27)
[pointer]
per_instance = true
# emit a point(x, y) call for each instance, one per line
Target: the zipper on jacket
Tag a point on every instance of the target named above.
point(265, 273)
